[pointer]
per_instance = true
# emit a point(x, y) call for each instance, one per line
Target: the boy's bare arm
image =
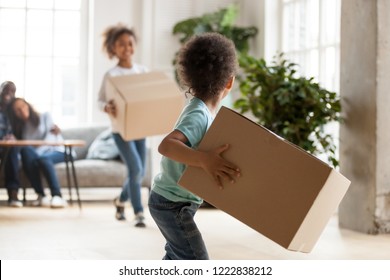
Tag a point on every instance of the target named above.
point(173, 146)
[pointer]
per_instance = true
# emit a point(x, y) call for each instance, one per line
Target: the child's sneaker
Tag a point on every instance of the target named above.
point(120, 210)
point(13, 200)
point(42, 201)
point(58, 202)
point(139, 220)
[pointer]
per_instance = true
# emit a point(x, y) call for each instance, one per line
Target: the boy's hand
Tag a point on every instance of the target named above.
point(174, 147)
point(219, 168)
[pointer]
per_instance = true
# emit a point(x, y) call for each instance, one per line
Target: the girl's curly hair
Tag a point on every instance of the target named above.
point(111, 34)
point(206, 63)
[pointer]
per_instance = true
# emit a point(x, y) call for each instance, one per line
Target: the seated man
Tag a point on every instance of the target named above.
point(11, 168)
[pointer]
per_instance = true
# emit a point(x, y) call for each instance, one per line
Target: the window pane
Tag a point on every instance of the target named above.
point(10, 71)
point(13, 3)
point(330, 69)
point(294, 29)
point(67, 33)
point(293, 57)
point(39, 32)
point(65, 77)
point(40, 4)
point(330, 21)
point(68, 4)
point(39, 81)
point(312, 23)
point(12, 24)
point(287, 17)
point(297, 58)
point(66, 89)
point(300, 59)
point(300, 25)
point(311, 64)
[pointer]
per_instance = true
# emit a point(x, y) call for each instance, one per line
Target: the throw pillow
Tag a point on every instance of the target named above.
point(103, 147)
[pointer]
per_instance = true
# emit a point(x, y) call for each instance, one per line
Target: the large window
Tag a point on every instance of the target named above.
point(311, 38)
point(40, 52)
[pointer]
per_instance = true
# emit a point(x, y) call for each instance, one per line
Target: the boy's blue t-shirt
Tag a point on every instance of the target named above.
point(193, 123)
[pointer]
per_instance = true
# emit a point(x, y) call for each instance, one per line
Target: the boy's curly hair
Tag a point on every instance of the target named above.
point(206, 63)
point(111, 34)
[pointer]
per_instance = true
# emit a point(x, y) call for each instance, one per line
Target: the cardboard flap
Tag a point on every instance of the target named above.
point(145, 86)
point(147, 104)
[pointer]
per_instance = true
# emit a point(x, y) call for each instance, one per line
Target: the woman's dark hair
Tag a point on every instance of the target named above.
point(16, 123)
point(206, 63)
point(111, 34)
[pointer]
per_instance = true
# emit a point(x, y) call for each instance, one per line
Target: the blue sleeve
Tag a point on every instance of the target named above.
point(193, 125)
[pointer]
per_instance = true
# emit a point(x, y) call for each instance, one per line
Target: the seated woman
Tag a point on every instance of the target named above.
point(28, 124)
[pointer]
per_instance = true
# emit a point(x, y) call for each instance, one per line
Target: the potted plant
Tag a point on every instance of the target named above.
point(294, 107)
point(221, 21)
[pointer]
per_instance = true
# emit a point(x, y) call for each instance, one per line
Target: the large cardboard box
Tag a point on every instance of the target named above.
point(147, 104)
point(284, 193)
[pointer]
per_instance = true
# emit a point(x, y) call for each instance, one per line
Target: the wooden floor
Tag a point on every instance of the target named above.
point(93, 234)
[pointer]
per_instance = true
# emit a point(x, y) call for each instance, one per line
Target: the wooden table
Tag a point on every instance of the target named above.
point(68, 157)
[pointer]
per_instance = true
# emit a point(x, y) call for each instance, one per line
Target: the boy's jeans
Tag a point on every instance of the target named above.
point(176, 222)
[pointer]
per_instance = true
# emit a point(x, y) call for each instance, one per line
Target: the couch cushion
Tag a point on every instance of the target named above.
point(103, 147)
point(88, 134)
point(90, 173)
